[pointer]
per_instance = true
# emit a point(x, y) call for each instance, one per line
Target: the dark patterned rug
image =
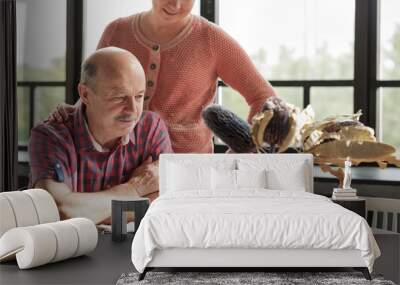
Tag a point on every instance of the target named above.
point(270, 278)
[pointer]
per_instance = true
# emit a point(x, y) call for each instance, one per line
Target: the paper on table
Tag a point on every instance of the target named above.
point(130, 227)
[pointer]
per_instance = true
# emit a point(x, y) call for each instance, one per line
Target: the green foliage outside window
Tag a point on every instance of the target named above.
point(55, 72)
point(23, 115)
point(46, 98)
point(391, 96)
point(328, 100)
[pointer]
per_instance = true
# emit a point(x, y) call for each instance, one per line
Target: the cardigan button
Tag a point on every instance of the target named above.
point(156, 47)
point(150, 83)
point(153, 66)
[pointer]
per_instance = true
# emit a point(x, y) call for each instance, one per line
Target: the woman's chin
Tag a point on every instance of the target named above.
point(172, 18)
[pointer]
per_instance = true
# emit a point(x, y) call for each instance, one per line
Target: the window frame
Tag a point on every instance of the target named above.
point(73, 60)
point(365, 50)
point(365, 82)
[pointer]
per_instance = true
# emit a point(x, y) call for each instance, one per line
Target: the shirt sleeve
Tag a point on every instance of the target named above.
point(236, 69)
point(48, 157)
point(108, 33)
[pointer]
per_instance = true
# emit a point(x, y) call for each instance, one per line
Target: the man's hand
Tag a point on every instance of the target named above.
point(152, 196)
point(93, 205)
point(61, 113)
point(145, 178)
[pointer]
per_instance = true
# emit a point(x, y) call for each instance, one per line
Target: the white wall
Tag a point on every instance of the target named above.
point(98, 13)
point(41, 34)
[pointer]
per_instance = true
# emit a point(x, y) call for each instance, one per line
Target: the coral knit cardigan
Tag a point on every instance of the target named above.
point(182, 75)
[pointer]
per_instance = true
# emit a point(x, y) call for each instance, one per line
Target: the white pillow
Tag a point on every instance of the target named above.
point(223, 179)
point(284, 172)
point(251, 178)
point(182, 177)
point(283, 180)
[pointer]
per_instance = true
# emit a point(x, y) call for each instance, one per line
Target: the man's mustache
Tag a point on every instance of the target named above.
point(126, 118)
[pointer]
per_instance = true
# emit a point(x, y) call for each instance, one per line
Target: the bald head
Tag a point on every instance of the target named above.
point(112, 89)
point(109, 62)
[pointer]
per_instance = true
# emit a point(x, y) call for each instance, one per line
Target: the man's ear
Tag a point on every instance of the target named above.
point(83, 91)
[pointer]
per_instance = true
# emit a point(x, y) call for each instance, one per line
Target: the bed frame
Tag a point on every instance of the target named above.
point(242, 259)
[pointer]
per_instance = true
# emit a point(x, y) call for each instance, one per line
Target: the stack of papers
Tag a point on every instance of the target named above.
point(344, 194)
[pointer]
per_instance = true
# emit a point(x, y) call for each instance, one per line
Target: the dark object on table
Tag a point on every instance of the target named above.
point(357, 205)
point(119, 208)
point(279, 130)
point(231, 129)
point(272, 130)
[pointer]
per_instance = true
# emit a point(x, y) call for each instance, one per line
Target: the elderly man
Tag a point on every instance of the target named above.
point(109, 147)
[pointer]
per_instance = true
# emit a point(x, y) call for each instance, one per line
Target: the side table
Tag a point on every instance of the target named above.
point(357, 205)
point(118, 213)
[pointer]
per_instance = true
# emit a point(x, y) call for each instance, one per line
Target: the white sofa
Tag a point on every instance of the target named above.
point(31, 231)
point(186, 178)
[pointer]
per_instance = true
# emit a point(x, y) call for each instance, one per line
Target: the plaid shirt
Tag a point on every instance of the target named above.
point(66, 152)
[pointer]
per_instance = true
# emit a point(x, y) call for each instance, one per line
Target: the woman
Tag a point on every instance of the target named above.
point(183, 55)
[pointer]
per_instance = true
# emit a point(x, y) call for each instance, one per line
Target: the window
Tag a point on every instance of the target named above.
point(41, 50)
point(389, 119)
point(388, 95)
point(389, 46)
point(42, 66)
point(98, 13)
point(304, 42)
point(309, 54)
point(300, 47)
point(340, 101)
point(236, 103)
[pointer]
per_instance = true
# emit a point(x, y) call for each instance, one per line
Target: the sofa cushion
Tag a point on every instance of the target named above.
point(45, 243)
point(26, 208)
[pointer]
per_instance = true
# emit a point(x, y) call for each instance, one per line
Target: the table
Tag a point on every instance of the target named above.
point(119, 209)
point(104, 265)
point(357, 205)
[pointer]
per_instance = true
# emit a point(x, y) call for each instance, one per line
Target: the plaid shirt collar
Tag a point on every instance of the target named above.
point(85, 140)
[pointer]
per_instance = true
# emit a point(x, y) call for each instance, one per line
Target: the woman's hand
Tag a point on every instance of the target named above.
point(61, 113)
